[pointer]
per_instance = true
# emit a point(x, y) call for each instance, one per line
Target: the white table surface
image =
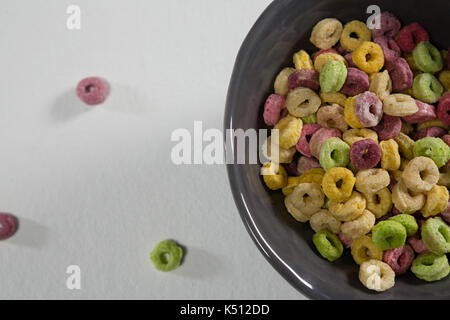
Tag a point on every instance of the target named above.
point(95, 187)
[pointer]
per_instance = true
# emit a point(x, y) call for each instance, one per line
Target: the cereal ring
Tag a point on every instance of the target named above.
point(390, 157)
point(332, 76)
point(443, 110)
point(334, 153)
point(430, 267)
point(444, 78)
point(389, 26)
point(328, 245)
point(358, 28)
point(381, 84)
point(410, 59)
point(363, 249)
point(406, 201)
point(436, 236)
point(354, 135)
point(272, 109)
point(389, 235)
point(304, 78)
point(426, 113)
point(323, 220)
point(410, 36)
point(350, 115)
point(322, 59)
point(292, 182)
point(345, 241)
point(331, 98)
point(276, 177)
point(430, 132)
point(376, 275)
point(399, 259)
point(365, 154)
point(349, 58)
point(338, 184)
point(399, 105)
point(421, 174)
point(357, 82)
point(311, 119)
point(405, 145)
point(401, 75)
point(281, 85)
point(319, 138)
point(314, 175)
point(433, 148)
point(302, 102)
point(369, 57)
point(407, 128)
point(390, 48)
point(437, 201)
point(304, 164)
point(368, 109)
point(379, 203)
point(417, 244)
point(408, 221)
point(307, 132)
point(292, 167)
point(432, 123)
point(348, 210)
point(9, 226)
point(290, 129)
point(92, 91)
point(322, 51)
point(284, 155)
point(326, 33)
point(360, 226)
point(305, 200)
point(428, 58)
point(166, 256)
point(389, 127)
point(302, 60)
point(372, 181)
point(332, 117)
point(427, 88)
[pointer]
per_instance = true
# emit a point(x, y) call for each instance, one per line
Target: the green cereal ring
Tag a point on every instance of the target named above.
point(389, 235)
point(434, 148)
point(430, 267)
point(311, 119)
point(166, 256)
point(333, 76)
point(328, 245)
point(427, 88)
point(334, 153)
point(436, 236)
point(408, 221)
point(428, 58)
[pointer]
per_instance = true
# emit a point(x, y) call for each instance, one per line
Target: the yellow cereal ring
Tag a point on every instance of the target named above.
point(354, 135)
point(290, 130)
point(304, 201)
point(437, 201)
point(313, 175)
point(405, 145)
point(338, 184)
point(302, 102)
point(276, 177)
point(399, 105)
point(390, 157)
point(331, 98)
point(326, 33)
point(348, 210)
point(302, 60)
point(322, 59)
point(372, 180)
point(369, 57)
point(363, 249)
point(381, 84)
point(284, 155)
point(281, 85)
point(412, 63)
point(379, 203)
point(444, 78)
point(405, 200)
point(360, 226)
point(354, 27)
point(349, 114)
point(430, 124)
point(323, 220)
point(292, 182)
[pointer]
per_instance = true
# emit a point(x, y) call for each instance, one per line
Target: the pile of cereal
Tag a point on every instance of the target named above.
point(364, 139)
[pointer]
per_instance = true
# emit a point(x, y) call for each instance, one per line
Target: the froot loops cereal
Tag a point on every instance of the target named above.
point(166, 256)
point(364, 147)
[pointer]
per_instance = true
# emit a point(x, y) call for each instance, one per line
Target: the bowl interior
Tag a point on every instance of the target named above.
point(283, 29)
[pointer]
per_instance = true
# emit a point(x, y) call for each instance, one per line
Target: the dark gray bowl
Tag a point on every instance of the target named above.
point(281, 30)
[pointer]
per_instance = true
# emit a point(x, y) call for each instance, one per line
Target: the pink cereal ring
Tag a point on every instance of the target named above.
point(389, 127)
point(307, 132)
point(365, 154)
point(446, 139)
point(443, 111)
point(389, 26)
point(390, 48)
point(401, 75)
point(340, 49)
point(426, 112)
point(347, 242)
point(304, 78)
point(318, 53)
point(357, 82)
point(92, 91)
point(305, 164)
point(349, 58)
point(410, 36)
point(8, 226)
point(319, 138)
point(400, 259)
point(435, 132)
point(417, 244)
point(368, 109)
point(275, 103)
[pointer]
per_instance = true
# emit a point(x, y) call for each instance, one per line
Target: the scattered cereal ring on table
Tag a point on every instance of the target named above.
point(368, 109)
point(436, 236)
point(292, 182)
point(304, 78)
point(332, 76)
point(427, 88)
point(434, 148)
point(272, 109)
point(304, 201)
point(399, 105)
point(302, 102)
point(332, 98)
point(357, 82)
point(399, 259)
point(350, 114)
point(302, 60)
point(411, 35)
point(290, 129)
point(319, 138)
point(369, 57)
point(338, 184)
point(406, 201)
point(437, 201)
point(376, 275)
point(92, 91)
point(407, 221)
point(381, 84)
point(328, 245)
point(443, 110)
point(390, 156)
point(166, 256)
point(357, 28)
point(349, 210)
point(421, 174)
point(428, 58)
point(360, 226)
point(281, 155)
point(334, 153)
point(365, 154)
point(372, 181)
point(379, 203)
point(8, 225)
point(363, 249)
point(332, 117)
point(326, 33)
point(324, 58)
point(389, 26)
point(354, 135)
point(276, 177)
point(323, 220)
point(405, 145)
point(426, 113)
point(431, 267)
point(389, 235)
point(401, 75)
point(308, 131)
point(281, 85)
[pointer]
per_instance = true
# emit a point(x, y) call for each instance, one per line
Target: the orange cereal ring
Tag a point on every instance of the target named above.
point(369, 57)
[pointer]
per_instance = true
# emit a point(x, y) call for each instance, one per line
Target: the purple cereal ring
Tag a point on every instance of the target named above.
point(357, 82)
point(275, 103)
point(410, 36)
point(307, 132)
point(368, 109)
point(319, 138)
point(305, 164)
point(389, 127)
point(389, 26)
point(8, 226)
point(332, 117)
point(443, 110)
point(340, 49)
point(417, 244)
point(391, 50)
point(365, 154)
point(401, 75)
point(349, 58)
point(446, 214)
point(435, 132)
point(318, 53)
point(399, 259)
point(395, 211)
point(347, 242)
point(292, 168)
point(304, 78)
point(92, 91)
point(446, 139)
point(426, 112)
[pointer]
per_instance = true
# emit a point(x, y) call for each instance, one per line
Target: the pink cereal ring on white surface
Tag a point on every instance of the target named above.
point(8, 226)
point(92, 91)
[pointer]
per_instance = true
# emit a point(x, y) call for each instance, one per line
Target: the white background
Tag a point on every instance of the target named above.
point(95, 187)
